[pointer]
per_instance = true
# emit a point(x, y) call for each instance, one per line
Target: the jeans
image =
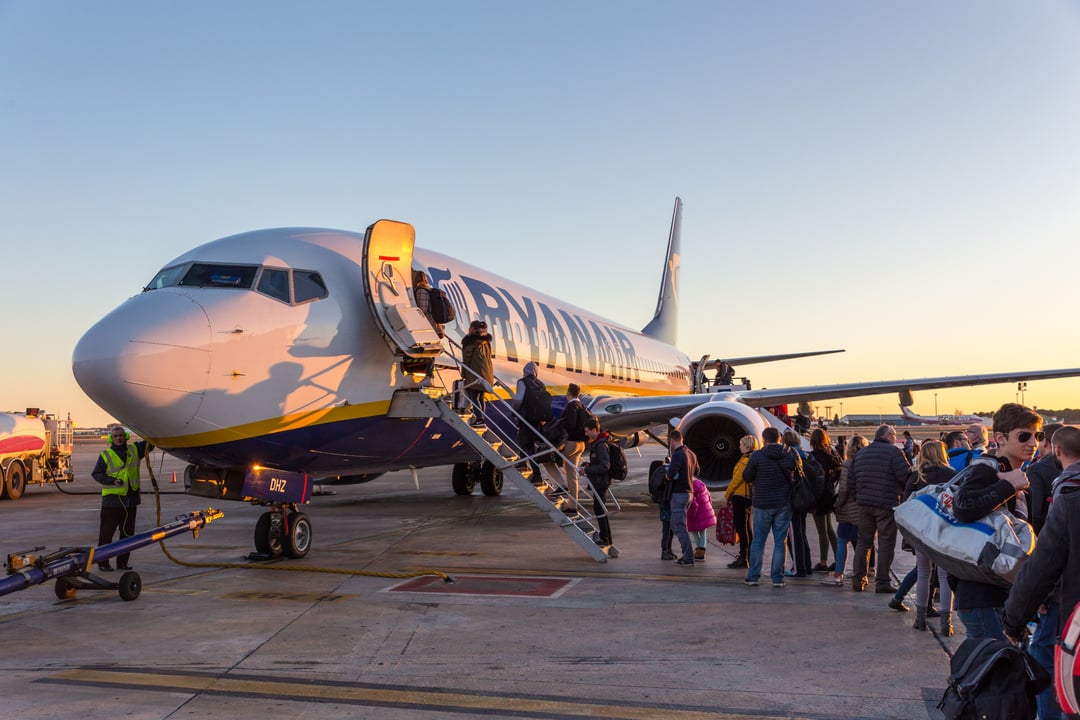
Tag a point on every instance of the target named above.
point(922, 590)
point(982, 623)
point(906, 584)
point(680, 502)
point(1041, 648)
point(776, 520)
point(846, 534)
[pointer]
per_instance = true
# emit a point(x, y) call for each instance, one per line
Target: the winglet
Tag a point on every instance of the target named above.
point(664, 325)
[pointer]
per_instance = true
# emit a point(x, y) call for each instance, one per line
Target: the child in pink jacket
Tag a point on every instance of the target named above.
point(700, 516)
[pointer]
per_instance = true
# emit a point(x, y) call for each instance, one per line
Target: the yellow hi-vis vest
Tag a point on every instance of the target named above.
point(126, 470)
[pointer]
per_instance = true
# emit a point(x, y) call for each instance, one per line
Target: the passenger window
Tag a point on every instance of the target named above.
point(274, 283)
point(307, 285)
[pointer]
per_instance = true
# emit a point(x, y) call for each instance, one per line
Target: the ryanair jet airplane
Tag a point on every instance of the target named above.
point(286, 356)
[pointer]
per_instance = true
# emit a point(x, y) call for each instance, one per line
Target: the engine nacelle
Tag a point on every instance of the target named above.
point(713, 430)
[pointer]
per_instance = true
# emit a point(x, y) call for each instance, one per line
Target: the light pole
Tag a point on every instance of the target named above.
point(935, 407)
point(841, 411)
point(1021, 386)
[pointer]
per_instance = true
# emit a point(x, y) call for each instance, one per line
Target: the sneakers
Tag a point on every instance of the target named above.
point(123, 566)
point(612, 552)
point(739, 562)
point(858, 585)
point(684, 563)
point(751, 583)
point(898, 605)
point(820, 567)
point(667, 555)
point(834, 580)
point(699, 554)
point(105, 566)
point(779, 584)
point(882, 589)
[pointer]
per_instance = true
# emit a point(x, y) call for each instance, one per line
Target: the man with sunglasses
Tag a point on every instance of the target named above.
point(1053, 569)
point(984, 487)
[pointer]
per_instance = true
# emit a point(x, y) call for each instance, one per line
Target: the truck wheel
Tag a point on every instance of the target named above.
point(130, 585)
point(298, 539)
point(491, 479)
point(64, 589)
point(268, 534)
point(464, 478)
point(14, 481)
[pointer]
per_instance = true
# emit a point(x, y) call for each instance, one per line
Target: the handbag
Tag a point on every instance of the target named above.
point(991, 550)
point(725, 525)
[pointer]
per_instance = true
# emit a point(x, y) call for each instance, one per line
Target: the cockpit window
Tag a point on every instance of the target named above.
point(225, 276)
point(165, 278)
point(274, 283)
point(307, 285)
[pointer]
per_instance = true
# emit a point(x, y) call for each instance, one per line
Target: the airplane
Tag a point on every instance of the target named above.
point(957, 419)
point(286, 352)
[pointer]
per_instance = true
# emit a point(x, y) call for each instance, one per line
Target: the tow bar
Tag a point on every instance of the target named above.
point(71, 566)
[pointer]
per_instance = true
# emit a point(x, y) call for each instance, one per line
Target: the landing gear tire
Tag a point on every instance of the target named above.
point(464, 478)
point(654, 466)
point(130, 585)
point(298, 539)
point(269, 534)
point(491, 480)
point(64, 589)
point(14, 481)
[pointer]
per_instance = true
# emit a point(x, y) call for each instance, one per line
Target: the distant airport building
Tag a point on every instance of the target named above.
point(876, 419)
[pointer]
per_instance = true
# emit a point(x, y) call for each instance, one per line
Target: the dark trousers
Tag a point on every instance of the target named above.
point(742, 509)
point(527, 441)
point(800, 545)
point(875, 521)
point(600, 488)
point(113, 517)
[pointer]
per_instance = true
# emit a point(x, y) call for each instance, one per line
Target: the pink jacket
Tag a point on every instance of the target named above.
point(700, 515)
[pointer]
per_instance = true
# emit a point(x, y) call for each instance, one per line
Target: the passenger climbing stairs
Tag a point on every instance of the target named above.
point(499, 447)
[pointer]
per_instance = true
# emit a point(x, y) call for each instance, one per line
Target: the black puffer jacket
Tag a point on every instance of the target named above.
point(1057, 555)
point(878, 475)
point(932, 475)
point(770, 470)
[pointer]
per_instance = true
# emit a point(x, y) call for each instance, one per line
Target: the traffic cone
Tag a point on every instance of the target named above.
point(174, 476)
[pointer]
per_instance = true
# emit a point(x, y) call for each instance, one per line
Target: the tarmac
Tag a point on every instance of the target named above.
point(531, 627)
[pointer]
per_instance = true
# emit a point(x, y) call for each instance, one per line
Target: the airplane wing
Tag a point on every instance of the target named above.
point(622, 415)
point(752, 359)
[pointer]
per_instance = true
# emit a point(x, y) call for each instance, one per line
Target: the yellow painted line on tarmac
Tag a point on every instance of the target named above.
point(384, 696)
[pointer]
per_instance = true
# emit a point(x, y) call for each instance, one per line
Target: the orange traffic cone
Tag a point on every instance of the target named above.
point(174, 476)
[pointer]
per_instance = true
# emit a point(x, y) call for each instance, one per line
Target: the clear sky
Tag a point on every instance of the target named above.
point(898, 179)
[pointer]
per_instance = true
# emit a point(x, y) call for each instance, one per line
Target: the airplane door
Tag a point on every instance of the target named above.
point(388, 251)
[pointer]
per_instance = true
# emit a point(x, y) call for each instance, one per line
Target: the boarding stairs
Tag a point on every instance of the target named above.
point(500, 448)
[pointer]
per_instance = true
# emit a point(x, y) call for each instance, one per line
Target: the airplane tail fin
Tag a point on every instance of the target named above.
point(664, 325)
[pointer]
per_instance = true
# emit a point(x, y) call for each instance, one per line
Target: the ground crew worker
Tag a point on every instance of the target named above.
point(117, 470)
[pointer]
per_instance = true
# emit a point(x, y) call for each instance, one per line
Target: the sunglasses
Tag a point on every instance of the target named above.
point(1026, 435)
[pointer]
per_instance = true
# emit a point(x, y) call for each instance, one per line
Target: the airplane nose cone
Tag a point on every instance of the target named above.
point(147, 362)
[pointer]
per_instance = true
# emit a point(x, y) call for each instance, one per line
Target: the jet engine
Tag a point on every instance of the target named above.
point(713, 430)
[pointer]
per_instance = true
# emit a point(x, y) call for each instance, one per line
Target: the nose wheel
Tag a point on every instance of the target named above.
point(280, 533)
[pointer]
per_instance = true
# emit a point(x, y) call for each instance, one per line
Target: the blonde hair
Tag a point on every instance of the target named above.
point(749, 443)
point(931, 453)
point(855, 444)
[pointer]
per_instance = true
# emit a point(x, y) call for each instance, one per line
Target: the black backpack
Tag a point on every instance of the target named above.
point(442, 310)
point(617, 468)
point(658, 485)
point(992, 680)
point(536, 404)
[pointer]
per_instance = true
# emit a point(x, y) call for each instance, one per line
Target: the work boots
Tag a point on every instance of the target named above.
point(920, 618)
point(946, 624)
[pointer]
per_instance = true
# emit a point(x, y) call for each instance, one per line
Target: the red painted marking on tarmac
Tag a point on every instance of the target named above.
point(496, 586)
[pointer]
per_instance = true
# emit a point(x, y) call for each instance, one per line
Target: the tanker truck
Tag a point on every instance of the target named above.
point(35, 448)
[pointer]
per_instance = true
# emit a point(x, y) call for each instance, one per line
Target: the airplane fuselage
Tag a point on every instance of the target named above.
point(216, 364)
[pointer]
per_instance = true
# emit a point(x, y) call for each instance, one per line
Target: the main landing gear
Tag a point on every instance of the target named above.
point(282, 530)
point(466, 475)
